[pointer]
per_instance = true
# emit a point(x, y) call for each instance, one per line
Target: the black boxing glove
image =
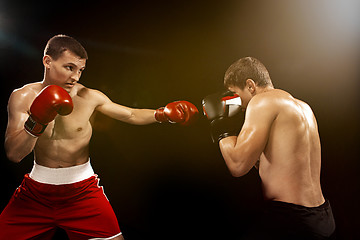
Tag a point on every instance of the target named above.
point(220, 109)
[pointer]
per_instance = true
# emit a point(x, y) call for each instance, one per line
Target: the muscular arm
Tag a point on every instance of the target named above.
point(18, 143)
point(122, 113)
point(242, 152)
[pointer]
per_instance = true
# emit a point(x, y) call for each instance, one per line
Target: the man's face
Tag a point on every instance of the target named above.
point(66, 70)
point(244, 94)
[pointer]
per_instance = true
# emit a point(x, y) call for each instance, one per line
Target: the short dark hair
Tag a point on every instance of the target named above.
point(247, 68)
point(61, 43)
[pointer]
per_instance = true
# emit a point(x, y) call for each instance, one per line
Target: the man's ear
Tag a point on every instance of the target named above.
point(47, 61)
point(250, 85)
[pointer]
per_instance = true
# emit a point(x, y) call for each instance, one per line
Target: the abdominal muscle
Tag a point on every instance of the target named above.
point(70, 149)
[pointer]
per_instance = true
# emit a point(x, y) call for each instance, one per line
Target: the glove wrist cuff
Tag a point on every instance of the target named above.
point(224, 135)
point(222, 128)
point(160, 115)
point(33, 127)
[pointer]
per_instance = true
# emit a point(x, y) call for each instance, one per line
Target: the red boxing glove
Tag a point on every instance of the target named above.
point(52, 100)
point(181, 112)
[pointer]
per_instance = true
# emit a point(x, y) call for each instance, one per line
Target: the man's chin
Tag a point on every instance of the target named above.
point(68, 88)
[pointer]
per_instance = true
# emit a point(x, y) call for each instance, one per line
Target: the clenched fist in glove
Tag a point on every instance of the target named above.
point(51, 101)
point(181, 112)
point(220, 108)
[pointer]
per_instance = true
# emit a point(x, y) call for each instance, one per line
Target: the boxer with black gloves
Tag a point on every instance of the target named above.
point(280, 136)
point(52, 119)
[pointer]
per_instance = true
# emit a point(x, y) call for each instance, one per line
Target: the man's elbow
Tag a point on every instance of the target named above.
point(238, 170)
point(13, 156)
point(238, 173)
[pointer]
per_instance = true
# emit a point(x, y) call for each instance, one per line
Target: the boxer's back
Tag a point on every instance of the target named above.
point(290, 164)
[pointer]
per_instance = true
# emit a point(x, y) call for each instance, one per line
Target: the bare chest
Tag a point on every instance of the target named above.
point(73, 126)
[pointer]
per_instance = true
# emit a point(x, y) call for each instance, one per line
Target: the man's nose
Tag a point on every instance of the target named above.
point(76, 76)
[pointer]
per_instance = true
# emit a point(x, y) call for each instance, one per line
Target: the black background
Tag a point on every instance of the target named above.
point(166, 181)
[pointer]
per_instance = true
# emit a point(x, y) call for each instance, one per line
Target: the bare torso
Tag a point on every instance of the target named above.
point(290, 164)
point(65, 141)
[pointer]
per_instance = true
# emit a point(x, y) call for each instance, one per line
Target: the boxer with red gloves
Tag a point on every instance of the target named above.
point(51, 118)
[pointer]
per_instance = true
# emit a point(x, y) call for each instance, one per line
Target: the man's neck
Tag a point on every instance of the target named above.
point(264, 89)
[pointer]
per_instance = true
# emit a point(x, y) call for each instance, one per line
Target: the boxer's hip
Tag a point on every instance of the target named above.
point(60, 176)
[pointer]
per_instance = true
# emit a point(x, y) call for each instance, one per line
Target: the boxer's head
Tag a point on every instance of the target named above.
point(64, 61)
point(61, 43)
point(245, 77)
point(247, 68)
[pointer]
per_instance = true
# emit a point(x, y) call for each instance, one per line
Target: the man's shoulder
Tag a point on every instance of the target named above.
point(284, 101)
point(35, 86)
point(22, 97)
point(266, 98)
point(270, 102)
point(28, 90)
point(273, 96)
point(90, 94)
point(85, 92)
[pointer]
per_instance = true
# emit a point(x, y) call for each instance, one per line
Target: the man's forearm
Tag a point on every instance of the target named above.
point(19, 145)
point(143, 116)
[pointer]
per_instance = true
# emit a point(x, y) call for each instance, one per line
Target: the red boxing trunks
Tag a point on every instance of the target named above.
point(49, 198)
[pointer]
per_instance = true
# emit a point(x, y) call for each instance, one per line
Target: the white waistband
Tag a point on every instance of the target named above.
point(57, 176)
